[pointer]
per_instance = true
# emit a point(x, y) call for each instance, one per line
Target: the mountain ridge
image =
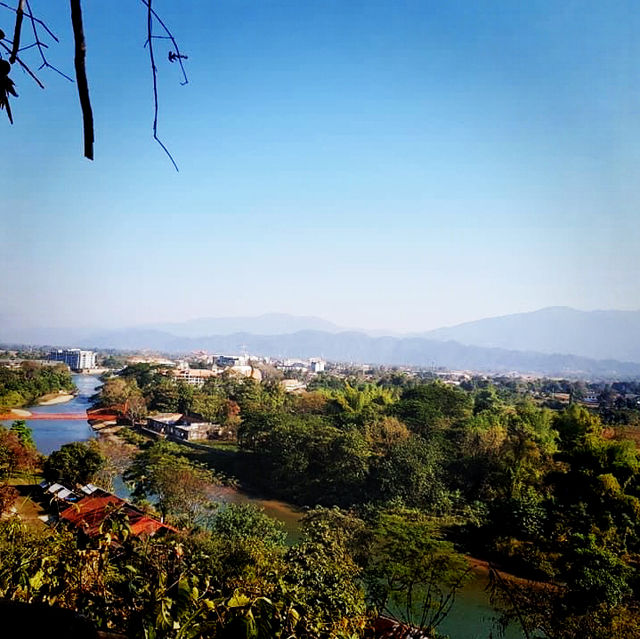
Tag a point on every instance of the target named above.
point(356, 347)
point(550, 340)
point(600, 334)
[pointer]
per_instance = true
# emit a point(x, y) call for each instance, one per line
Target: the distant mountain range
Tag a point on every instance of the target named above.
point(360, 348)
point(558, 329)
point(267, 324)
point(555, 341)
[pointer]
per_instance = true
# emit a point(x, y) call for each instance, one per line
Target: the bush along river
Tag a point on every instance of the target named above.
point(471, 616)
point(50, 434)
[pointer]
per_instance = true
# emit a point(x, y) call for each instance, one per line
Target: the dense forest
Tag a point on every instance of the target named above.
point(24, 384)
point(403, 479)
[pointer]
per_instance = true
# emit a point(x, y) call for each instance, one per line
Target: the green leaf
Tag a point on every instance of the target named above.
point(36, 581)
point(238, 600)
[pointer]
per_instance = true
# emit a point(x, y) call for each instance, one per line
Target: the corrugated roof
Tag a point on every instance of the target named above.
point(166, 418)
point(89, 513)
point(89, 488)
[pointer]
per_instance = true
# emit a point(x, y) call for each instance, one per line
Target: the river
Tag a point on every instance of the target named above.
point(49, 435)
point(470, 617)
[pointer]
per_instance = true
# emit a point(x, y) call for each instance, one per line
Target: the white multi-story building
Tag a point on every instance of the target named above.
point(317, 365)
point(74, 358)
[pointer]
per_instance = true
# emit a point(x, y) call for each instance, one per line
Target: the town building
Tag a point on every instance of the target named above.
point(293, 385)
point(227, 361)
point(294, 366)
point(316, 365)
point(181, 427)
point(74, 358)
point(94, 506)
point(245, 371)
point(154, 361)
point(193, 376)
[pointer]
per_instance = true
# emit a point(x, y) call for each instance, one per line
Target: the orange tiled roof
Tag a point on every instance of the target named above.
point(89, 513)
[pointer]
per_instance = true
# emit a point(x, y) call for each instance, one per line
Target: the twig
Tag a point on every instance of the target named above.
point(152, 61)
point(147, 3)
point(499, 581)
point(81, 77)
point(16, 32)
point(23, 65)
point(37, 43)
point(40, 22)
point(30, 46)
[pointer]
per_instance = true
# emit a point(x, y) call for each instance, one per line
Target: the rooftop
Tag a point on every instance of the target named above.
point(91, 511)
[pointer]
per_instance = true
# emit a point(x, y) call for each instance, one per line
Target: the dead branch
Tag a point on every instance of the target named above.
point(24, 66)
point(154, 71)
point(13, 48)
point(169, 36)
point(16, 32)
point(32, 17)
point(81, 76)
point(40, 45)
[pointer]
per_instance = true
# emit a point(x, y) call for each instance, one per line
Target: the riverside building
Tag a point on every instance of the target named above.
point(74, 358)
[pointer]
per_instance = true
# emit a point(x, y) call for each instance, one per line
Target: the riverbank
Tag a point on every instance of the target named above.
point(15, 413)
point(55, 398)
point(61, 422)
point(50, 399)
point(109, 431)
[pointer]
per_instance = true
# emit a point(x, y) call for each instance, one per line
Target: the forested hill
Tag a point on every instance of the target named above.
point(358, 347)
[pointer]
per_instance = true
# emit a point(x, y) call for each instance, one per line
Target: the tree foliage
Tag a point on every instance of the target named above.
point(24, 385)
point(181, 489)
point(74, 464)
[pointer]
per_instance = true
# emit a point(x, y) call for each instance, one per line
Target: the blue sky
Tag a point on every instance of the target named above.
point(396, 164)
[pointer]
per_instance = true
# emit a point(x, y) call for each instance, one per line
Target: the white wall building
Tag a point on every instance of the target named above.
point(74, 358)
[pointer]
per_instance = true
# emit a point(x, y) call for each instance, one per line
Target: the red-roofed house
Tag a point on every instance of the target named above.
point(88, 514)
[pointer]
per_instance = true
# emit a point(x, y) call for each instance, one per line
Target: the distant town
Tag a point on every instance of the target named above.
point(296, 374)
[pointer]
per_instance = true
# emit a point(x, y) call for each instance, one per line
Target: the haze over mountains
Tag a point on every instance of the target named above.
point(266, 324)
point(556, 340)
point(557, 329)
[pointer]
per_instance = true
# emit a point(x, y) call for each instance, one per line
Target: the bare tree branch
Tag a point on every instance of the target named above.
point(13, 48)
point(32, 17)
point(40, 45)
point(30, 46)
point(16, 32)
point(169, 36)
point(154, 71)
point(81, 76)
point(24, 66)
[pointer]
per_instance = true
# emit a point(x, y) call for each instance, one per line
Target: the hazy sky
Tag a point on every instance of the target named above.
point(399, 164)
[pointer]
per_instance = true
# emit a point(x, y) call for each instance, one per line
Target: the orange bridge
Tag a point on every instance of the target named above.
point(67, 416)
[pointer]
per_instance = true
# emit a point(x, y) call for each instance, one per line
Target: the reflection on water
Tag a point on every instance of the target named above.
point(49, 435)
point(471, 616)
point(278, 510)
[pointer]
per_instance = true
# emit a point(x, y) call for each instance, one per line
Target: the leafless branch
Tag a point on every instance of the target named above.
point(81, 76)
point(30, 46)
point(13, 48)
point(40, 45)
point(154, 71)
point(32, 17)
point(24, 66)
point(16, 32)
point(169, 36)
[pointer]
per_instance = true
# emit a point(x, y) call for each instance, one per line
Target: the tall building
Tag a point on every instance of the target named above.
point(317, 365)
point(74, 358)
